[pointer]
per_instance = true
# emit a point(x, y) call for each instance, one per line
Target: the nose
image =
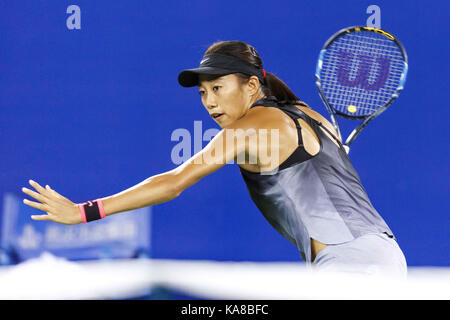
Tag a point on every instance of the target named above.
point(210, 101)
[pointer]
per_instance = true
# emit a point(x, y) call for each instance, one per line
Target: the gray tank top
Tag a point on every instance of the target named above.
point(320, 197)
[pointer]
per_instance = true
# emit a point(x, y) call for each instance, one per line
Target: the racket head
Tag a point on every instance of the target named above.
point(360, 71)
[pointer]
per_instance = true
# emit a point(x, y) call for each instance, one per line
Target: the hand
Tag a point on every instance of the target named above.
point(57, 208)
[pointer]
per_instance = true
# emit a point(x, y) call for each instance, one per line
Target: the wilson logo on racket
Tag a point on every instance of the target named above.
point(359, 74)
point(365, 65)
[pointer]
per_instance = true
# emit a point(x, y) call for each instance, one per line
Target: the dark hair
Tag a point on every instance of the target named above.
point(272, 85)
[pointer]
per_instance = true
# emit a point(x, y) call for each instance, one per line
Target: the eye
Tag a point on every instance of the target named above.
point(215, 88)
point(201, 92)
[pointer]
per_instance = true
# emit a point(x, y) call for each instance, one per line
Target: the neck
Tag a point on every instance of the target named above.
point(252, 101)
point(256, 98)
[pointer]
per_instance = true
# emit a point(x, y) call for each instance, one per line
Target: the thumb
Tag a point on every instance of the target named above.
point(41, 217)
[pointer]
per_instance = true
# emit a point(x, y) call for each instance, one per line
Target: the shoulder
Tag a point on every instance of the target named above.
point(264, 117)
point(318, 117)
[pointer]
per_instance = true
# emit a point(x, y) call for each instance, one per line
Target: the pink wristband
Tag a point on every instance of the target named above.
point(92, 214)
point(83, 213)
point(100, 208)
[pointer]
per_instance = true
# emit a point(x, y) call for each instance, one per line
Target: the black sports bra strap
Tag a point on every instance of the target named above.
point(294, 111)
point(329, 132)
point(294, 114)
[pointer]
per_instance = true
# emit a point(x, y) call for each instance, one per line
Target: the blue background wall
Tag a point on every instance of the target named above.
point(110, 90)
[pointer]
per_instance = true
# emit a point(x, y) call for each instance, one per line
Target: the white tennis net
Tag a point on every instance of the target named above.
point(49, 277)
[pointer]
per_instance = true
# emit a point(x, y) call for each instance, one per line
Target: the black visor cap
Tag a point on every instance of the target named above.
point(217, 64)
point(189, 77)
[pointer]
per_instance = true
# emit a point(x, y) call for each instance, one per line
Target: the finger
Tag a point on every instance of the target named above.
point(37, 205)
point(35, 195)
point(57, 195)
point(42, 217)
point(38, 187)
point(50, 197)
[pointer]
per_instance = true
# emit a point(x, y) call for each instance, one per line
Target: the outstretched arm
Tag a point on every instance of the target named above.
point(223, 148)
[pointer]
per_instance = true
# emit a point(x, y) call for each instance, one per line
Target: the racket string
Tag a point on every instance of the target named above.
point(362, 101)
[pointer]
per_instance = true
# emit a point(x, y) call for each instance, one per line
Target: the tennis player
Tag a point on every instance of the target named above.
point(308, 191)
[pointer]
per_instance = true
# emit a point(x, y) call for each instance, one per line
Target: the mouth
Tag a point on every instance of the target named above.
point(216, 115)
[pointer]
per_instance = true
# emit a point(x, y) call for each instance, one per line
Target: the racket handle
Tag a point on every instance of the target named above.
point(346, 148)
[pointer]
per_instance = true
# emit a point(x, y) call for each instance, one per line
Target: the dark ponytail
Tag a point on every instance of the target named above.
point(272, 85)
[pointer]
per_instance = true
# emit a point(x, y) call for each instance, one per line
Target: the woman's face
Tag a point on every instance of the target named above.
point(226, 99)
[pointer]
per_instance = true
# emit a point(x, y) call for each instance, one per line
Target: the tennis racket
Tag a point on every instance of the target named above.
point(359, 74)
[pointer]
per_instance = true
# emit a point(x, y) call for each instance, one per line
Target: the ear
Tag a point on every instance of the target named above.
point(253, 85)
